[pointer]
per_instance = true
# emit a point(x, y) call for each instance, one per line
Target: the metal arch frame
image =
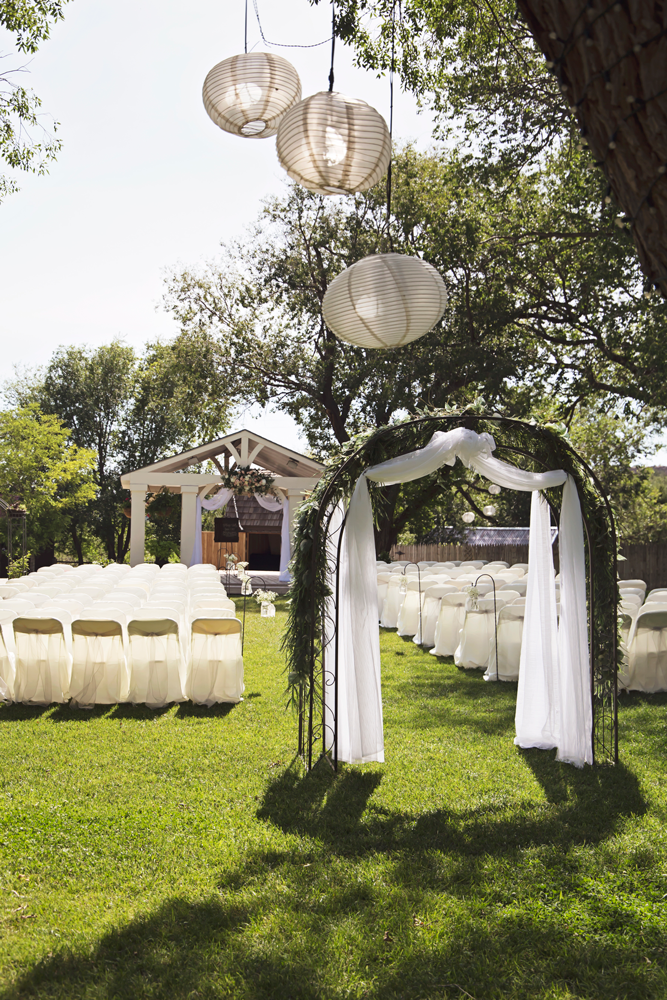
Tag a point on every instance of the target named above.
point(321, 676)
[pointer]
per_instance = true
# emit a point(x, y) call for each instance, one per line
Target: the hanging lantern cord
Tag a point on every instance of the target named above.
point(246, 26)
point(333, 44)
point(392, 66)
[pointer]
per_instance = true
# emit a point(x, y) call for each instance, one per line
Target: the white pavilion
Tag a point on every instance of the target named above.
point(295, 475)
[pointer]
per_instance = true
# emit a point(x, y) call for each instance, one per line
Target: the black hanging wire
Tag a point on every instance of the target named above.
point(246, 27)
point(392, 67)
point(333, 44)
point(283, 45)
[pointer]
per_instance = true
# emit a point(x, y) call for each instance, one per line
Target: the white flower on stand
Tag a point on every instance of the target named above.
point(246, 583)
point(473, 594)
point(265, 599)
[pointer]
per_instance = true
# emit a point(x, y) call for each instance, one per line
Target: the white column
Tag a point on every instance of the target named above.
point(294, 498)
point(188, 521)
point(137, 525)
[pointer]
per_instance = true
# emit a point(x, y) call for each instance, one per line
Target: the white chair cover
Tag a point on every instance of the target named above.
point(99, 662)
point(392, 602)
point(450, 622)
point(215, 670)
point(409, 614)
point(510, 633)
point(43, 657)
point(430, 612)
point(7, 655)
point(155, 660)
point(477, 636)
point(648, 652)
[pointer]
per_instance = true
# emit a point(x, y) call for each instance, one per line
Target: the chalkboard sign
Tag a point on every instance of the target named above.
point(226, 529)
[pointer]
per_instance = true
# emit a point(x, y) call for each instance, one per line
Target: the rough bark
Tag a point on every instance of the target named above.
point(611, 61)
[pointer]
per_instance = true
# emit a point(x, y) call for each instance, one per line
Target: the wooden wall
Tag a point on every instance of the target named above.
point(216, 552)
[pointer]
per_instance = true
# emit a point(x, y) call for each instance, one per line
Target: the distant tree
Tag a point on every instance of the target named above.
point(131, 411)
point(45, 473)
point(614, 447)
point(29, 21)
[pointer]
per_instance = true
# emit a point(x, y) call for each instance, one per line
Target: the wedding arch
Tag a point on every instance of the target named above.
point(567, 693)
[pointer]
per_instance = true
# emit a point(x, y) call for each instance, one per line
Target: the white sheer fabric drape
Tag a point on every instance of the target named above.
point(222, 498)
point(555, 665)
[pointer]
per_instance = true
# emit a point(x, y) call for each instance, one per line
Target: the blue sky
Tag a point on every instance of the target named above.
point(145, 180)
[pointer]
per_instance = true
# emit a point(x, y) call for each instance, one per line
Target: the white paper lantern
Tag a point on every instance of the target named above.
point(385, 300)
point(248, 94)
point(489, 510)
point(468, 517)
point(332, 144)
point(495, 490)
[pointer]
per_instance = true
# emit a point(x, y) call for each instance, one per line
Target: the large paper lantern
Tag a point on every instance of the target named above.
point(385, 300)
point(332, 144)
point(249, 94)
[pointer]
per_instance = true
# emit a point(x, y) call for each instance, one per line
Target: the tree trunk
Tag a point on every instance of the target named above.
point(611, 62)
point(76, 540)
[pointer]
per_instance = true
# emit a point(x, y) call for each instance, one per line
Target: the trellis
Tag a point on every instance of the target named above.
point(312, 624)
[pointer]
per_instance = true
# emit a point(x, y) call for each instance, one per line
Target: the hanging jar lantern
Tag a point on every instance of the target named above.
point(494, 490)
point(468, 517)
point(489, 510)
point(385, 300)
point(248, 94)
point(332, 144)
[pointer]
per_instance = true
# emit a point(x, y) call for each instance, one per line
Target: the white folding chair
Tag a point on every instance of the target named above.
point(7, 655)
point(656, 596)
point(21, 605)
point(215, 669)
point(510, 633)
point(43, 657)
point(99, 661)
point(450, 623)
point(392, 602)
point(647, 669)
point(156, 658)
point(520, 586)
point(407, 622)
point(7, 591)
point(477, 636)
point(430, 612)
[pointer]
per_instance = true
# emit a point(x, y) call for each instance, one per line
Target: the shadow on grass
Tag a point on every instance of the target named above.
point(188, 710)
point(310, 949)
point(22, 713)
point(583, 806)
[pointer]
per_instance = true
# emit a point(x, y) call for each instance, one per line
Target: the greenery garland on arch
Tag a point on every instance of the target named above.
point(531, 446)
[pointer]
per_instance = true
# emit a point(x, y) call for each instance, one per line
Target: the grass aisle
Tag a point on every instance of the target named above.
point(184, 854)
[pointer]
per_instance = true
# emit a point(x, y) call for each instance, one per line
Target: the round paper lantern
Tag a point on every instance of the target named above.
point(385, 300)
point(468, 517)
point(494, 489)
point(489, 511)
point(249, 94)
point(332, 144)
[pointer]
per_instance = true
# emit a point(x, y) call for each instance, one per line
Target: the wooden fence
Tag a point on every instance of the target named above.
point(643, 562)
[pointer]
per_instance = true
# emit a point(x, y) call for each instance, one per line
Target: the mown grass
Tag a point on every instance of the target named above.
point(185, 854)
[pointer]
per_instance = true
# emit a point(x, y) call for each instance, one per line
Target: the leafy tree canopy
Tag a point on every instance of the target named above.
point(474, 63)
point(43, 471)
point(130, 411)
point(24, 143)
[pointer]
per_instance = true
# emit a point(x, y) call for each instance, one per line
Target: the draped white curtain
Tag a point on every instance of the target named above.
point(553, 703)
point(221, 499)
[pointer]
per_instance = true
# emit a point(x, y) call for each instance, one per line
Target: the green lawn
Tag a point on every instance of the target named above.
point(184, 853)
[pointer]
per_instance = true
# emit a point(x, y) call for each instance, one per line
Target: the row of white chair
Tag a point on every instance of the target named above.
point(145, 635)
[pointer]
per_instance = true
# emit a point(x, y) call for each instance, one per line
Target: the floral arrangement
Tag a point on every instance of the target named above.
point(265, 596)
point(265, 599)
point(231, 561)
point(246, 481)
point(473, 594)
